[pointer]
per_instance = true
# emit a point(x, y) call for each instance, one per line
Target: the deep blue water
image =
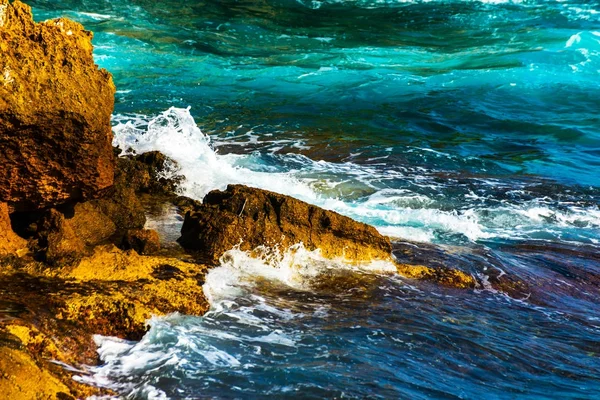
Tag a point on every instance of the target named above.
point(470, 128)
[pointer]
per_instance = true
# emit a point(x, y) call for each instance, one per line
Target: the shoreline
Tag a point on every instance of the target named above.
point(76, 257)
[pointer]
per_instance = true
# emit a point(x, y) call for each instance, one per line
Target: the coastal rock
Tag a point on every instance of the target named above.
point(65, 237)
point(128, 290)
point(90, 223)
point(56, 311)
point(10, 243)
point(67, 233)
point(22, 378)
point(149, 172)
point(60, 244)
point(445, 276)
point(26, 371)
point(55, 108)
point(143, 241)
point(251, 217)
point(123, 207)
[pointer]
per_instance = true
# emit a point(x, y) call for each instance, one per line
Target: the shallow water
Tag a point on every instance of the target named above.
point(469, 127)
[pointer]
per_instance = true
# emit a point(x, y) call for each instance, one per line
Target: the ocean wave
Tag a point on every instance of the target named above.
point(402, 202)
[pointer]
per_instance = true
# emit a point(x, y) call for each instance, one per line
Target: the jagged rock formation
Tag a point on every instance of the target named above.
point(252, 217)
point(55, 108)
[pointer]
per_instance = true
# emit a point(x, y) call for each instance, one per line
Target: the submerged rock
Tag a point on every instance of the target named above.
point(251, 217)
point(445, 276)
point(55, 108)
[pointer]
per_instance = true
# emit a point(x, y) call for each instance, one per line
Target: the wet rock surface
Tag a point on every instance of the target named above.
point(149, 172)
point(55, 108)
point(251, 217)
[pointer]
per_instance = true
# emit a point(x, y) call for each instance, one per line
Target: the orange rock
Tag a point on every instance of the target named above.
point(143, 241)
point(10, 243)
point(252, 217)
point(61, 243)
point(55, 109)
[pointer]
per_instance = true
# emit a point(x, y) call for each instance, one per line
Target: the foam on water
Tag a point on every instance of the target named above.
point(295, 267)
point(176, 135)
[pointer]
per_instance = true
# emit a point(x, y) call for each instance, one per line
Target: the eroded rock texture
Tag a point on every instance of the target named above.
point(252, 217)
point(55, 108)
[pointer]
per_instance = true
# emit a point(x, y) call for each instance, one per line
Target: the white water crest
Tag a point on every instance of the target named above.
point(175, 134)
point(295, 267)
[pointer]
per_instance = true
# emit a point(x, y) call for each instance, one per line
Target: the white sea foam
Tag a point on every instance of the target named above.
point(175, 134)
point(295, 267)
point(95, 16)
point(175, 341)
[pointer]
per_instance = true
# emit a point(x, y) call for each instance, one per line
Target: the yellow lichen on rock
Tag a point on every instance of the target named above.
point(22, 379)
point(108, 263)
point(35, 341)
point(444, 276)
point(128, 289)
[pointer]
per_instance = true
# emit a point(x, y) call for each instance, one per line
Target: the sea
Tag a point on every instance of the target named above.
point(466, 130)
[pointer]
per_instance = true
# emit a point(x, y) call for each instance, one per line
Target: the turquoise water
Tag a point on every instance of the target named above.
point(469, 128)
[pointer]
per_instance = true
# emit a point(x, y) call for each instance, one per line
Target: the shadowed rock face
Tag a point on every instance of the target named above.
point(252, 217)
point(55, 108)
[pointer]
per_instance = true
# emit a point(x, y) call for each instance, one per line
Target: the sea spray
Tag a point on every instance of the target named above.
point(175, 134)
